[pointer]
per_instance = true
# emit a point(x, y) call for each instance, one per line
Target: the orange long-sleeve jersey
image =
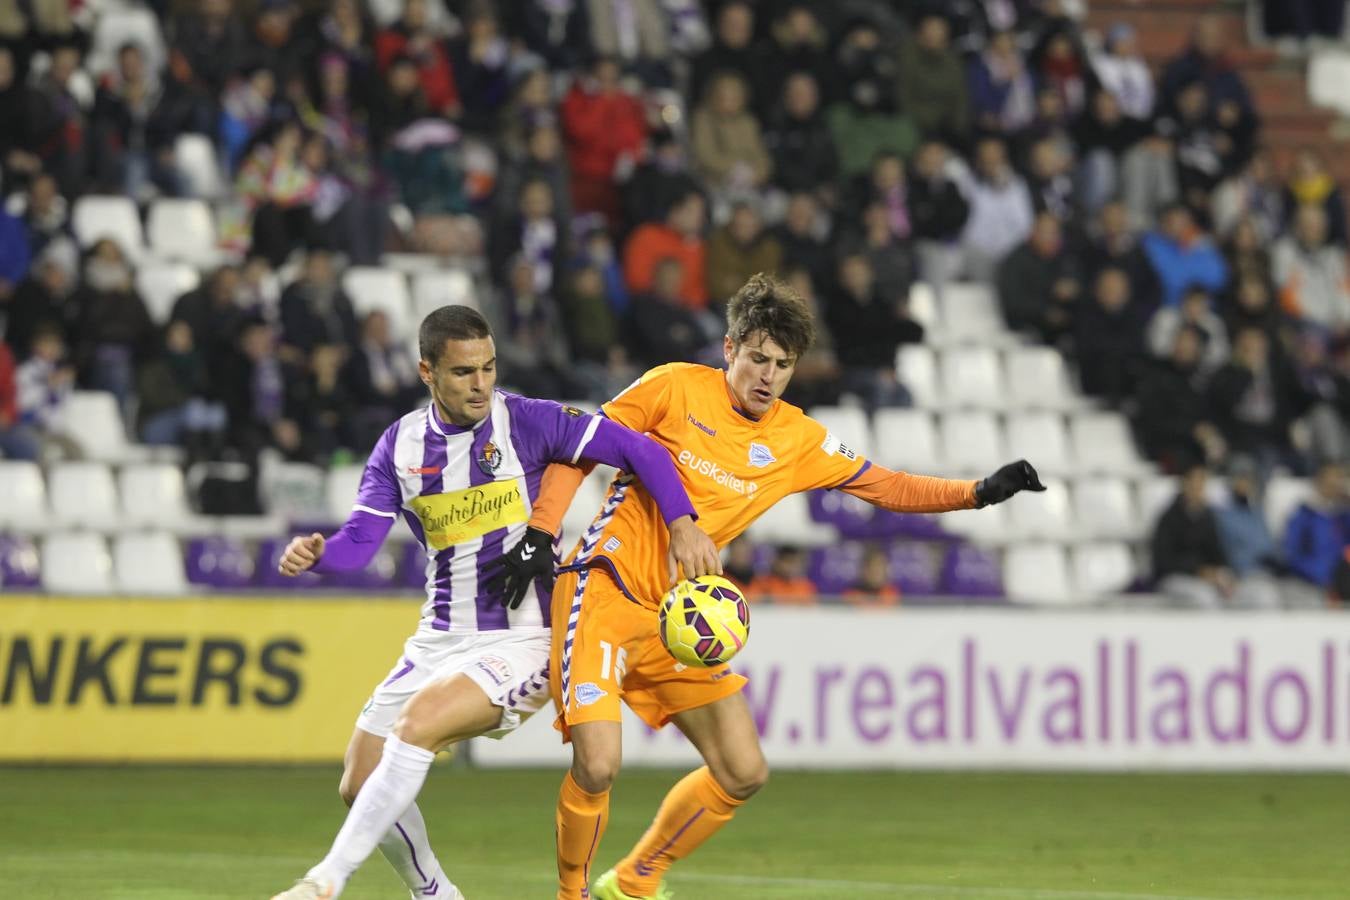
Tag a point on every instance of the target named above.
point(733, 467)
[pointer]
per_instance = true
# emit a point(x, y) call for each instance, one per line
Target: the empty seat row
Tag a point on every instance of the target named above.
point(87, 496)
point(983, 377)
point(970, 442)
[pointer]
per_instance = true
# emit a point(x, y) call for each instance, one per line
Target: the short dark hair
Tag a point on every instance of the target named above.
point(449, 323)
point(769, 306)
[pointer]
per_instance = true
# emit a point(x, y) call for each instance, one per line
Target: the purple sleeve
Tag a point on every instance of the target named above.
point(614, 445)
point(353, 546)
point(378, 501)
point(379, 492)
point(545, 432)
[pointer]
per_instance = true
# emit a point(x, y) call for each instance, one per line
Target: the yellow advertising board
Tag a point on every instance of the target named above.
point(191, 679)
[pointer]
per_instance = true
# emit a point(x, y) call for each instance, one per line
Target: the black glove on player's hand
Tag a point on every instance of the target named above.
point(530, 559)
point(1010, 479)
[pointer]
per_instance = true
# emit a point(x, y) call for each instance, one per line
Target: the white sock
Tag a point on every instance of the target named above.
point(408, 850)
point(385, 796)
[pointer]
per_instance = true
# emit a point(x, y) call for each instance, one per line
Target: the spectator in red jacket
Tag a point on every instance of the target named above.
point(605, 131)
point(679, 237)
point(411, 37)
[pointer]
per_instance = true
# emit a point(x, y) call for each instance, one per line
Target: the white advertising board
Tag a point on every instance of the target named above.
point(1027, 690)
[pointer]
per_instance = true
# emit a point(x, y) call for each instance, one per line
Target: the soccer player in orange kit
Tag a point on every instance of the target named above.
point(739, 449)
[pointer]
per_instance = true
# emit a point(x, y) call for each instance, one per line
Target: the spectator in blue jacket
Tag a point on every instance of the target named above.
point(1246, 539)
point(14, 254)
point(1316, 534)
point(1183, 256)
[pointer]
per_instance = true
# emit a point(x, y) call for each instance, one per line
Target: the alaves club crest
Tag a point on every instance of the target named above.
point(760, 456)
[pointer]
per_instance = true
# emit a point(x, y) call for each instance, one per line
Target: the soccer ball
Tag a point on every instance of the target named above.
point(704, 621)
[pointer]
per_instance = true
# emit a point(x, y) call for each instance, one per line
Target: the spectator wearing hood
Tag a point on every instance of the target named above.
point(866, 119)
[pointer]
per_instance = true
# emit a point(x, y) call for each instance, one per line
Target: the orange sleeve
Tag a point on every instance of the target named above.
point(903, 492)
point(556, 490)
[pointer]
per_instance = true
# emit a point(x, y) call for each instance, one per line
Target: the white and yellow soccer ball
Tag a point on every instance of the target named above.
point(705, 621)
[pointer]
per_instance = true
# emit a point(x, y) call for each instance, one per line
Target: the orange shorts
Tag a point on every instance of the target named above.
point(606, 648)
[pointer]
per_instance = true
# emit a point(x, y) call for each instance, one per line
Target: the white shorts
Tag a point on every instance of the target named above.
point(510, 667)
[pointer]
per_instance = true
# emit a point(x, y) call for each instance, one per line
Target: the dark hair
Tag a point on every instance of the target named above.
point(771, 307)
point(449, 323)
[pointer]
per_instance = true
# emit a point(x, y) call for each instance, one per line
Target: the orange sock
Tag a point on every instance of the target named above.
point(581, 821)
point(692, 812)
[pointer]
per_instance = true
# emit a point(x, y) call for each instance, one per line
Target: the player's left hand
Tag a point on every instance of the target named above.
point(530, 559)
point(1010, 479)
point(691, 550)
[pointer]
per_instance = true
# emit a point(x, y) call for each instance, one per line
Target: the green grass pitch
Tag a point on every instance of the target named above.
point(185, 834)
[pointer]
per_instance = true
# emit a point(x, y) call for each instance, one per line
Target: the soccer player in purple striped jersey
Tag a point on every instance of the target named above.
point(463, 472)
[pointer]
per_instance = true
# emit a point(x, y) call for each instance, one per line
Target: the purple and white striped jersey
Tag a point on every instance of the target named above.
point(467, 495)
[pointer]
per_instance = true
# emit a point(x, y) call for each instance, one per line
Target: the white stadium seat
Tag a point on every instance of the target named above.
point(150, 563)
point(916, 368)
point(117, 25)
point(76, 564)
point(441, 287)
point(923, 307)
point(293, 490)
point(195, 158)
point(1102, 442)
point(1042, 438)
point(83, 495)
point(23, 507)
point(972, 377)
point(1037, 573)
point(93, 421)
point(1328, 77)
point(1042, 514)
point(96, 217)
point(1038, 379)
point(906, 439)
point(183, 230)
point(1101, 568)
point(970, 314)
point(1283, 498)
point(789, 522)
point(161, 284)
point(1104, 508)
point(848, 423)
point(372, 288)
point(983, 526)
point(154, 494)
point(972, 443)
point(340, 490)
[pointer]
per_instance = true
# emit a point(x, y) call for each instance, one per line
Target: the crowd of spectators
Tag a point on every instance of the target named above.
point(620, 168)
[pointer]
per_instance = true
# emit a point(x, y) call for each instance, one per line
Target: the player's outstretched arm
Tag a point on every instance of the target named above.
point(353, 546)
point(904, 492)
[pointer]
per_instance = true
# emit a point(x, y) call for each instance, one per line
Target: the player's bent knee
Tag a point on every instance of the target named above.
point(744, 780)
point(595, 772)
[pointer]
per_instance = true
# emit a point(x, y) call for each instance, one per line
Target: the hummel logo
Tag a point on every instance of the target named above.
point(711, 432)
point(527, 552)
point(424, 470)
